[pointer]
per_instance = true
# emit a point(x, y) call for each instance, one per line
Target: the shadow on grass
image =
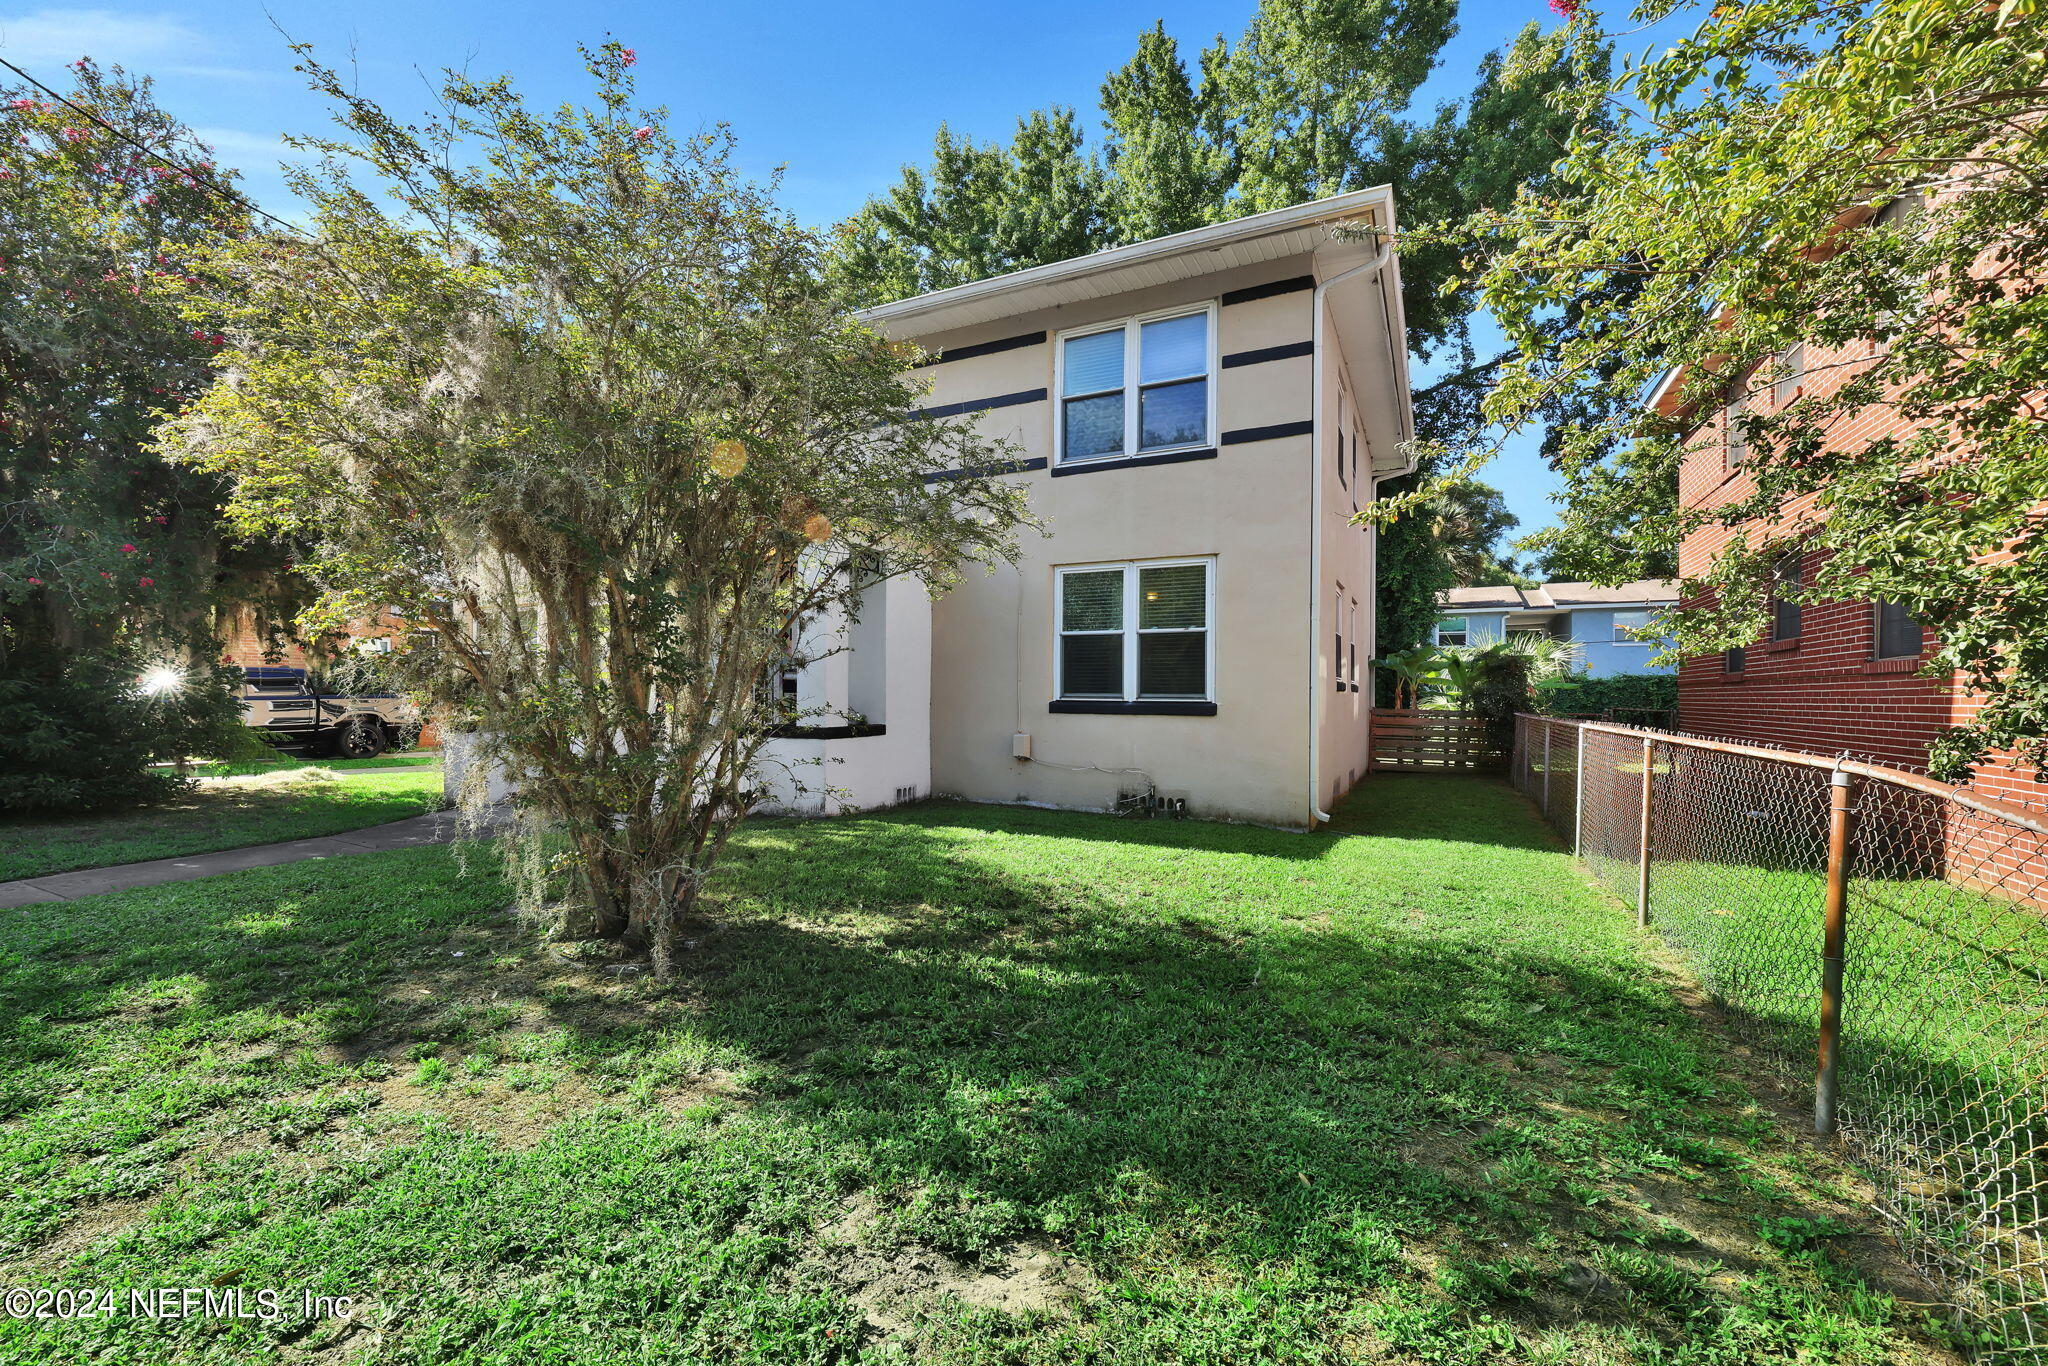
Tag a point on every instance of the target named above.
point(1260, 1103)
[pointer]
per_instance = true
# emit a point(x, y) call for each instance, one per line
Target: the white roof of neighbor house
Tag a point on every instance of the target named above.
point(1562, 594)
point(1268, 236)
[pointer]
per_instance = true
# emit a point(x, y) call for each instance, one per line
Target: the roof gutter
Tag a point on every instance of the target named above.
point(1315, 532)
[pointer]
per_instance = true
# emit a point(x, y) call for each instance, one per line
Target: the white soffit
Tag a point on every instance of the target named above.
point(1248, 241)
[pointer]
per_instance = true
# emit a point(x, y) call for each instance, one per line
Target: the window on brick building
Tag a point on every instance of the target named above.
point(1734, 660)
point(1784, 602)
point(1790, 377)
point(1898, 635)
point(1734, 440)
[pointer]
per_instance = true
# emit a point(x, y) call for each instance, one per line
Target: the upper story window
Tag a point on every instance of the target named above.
point(1898, 635)
point(1136, 632)
point(1735, 437)
point(1452, 631)
point(1790, 378)
point(1784, 603)
point(1635, 626)
point(1138, 386)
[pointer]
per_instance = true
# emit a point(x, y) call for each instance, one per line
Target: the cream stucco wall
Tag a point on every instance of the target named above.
point(993, 640)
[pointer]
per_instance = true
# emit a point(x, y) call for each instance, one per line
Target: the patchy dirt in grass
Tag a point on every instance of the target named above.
point(92, 1224)
point(892, 1284)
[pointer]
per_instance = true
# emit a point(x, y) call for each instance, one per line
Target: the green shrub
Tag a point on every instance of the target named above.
point(78, 733)
point(1501, 691)
point(1629, 696)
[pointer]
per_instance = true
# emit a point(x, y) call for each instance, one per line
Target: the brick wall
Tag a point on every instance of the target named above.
point(1825, 691)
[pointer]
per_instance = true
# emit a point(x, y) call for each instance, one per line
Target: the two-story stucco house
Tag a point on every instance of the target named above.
point(1616, 630)
point(1199, 417)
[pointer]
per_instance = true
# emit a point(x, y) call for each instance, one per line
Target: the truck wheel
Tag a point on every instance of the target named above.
point(360, 737)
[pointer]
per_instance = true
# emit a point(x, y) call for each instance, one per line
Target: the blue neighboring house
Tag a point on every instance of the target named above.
point(1615, 628)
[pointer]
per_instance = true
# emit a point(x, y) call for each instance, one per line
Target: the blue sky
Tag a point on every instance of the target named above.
point(839, 94)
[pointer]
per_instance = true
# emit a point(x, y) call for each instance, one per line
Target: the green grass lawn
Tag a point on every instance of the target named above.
point(418, 758)
point(217, 815)
point(951, 1084)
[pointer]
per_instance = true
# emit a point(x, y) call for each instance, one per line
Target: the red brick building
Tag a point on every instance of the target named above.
point(1830, 677)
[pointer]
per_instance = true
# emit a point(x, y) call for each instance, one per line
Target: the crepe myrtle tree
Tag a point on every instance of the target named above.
point(1847, 203)
point(570, 393)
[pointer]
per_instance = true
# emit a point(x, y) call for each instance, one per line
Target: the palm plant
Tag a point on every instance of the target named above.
point(1411, 669)
point(1549, 660)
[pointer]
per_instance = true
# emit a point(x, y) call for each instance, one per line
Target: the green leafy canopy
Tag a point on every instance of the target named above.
point(1883, 374)
point(574, 395)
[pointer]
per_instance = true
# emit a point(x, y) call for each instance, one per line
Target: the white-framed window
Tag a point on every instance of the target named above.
point(1451, 631)
point(1142, 386)
point(1137, 631)
point(1635, 626)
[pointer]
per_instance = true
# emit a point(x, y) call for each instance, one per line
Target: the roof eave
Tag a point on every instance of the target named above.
point(1024, 281)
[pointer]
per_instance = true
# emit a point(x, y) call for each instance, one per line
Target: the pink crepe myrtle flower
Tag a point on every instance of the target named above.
point(147, 583)
point(627, 57)
point(71, 134)
point(34, 580)
point(128, 548)
point(643, 133)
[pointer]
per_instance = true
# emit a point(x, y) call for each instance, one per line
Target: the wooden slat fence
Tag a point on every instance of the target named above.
point(1430, 740)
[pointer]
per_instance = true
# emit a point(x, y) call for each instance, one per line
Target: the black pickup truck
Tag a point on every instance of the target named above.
point(291, 709)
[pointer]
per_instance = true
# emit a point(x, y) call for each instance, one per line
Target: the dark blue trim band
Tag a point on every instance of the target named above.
point(1260, 357)
point(989, 348)
point(1127, 462)
point(977, 405)
point(1078, 707)
point(1273, 433)
point(983, 471)
point(1272, 290)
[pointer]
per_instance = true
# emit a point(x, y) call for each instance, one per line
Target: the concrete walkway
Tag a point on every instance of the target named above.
point(436, 827)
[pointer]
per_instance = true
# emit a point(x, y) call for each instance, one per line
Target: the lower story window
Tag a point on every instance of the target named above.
point(1898, 635)
point(1136, 632)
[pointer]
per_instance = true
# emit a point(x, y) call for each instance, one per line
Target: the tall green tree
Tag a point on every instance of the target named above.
point(112, 560)
point(1865, 182)
point(1315, 98)
point(1167, 163)
point(575, 395)
point(1471, 521)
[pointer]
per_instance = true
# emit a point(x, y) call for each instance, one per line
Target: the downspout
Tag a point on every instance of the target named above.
point(1315, 533)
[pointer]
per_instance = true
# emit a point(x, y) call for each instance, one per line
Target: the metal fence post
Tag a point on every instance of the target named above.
point(1546, 770)
point(1643, 840)
point(1827, 1090)
point(1579, 800)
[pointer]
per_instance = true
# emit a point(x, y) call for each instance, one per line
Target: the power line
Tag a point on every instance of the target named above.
point(197, 177)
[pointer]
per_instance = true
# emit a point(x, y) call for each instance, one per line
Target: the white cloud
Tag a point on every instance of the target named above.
point(148, 44)
point(242, 148)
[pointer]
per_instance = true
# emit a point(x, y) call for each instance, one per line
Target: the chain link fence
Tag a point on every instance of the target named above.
point(1883, 932)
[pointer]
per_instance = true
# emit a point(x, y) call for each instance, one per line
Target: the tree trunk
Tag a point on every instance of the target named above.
point(601, 883)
